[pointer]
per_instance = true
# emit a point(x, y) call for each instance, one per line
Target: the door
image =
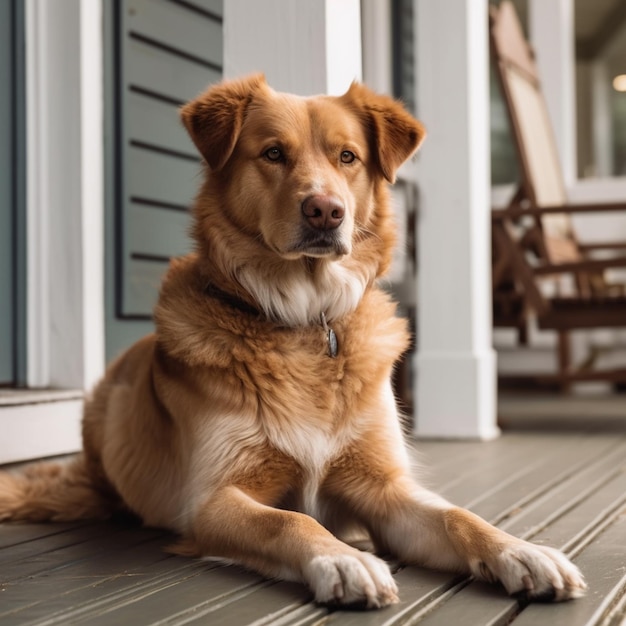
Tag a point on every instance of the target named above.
point(11, 187)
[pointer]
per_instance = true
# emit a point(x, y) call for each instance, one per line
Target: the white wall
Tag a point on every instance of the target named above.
point(302, 47)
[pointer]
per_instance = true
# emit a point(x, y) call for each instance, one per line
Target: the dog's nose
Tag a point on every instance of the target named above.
point(323, 212)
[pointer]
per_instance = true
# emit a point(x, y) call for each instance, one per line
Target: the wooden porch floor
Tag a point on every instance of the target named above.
point(563, 487)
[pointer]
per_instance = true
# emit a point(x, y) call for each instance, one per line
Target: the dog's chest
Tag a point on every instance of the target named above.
point(310, 441)
point(301, 395)
point(293, 393)
point(312, 383)
point(313, 451)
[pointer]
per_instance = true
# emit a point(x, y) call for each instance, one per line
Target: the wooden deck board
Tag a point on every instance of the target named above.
point(14, 534)
point(604, 564)
point(544, 524)
point(564, 489)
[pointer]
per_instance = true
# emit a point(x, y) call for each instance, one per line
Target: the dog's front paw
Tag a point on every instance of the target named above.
point(537, 572)
point(358, 578)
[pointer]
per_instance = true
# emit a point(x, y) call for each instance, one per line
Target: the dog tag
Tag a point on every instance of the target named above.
point(331, 338)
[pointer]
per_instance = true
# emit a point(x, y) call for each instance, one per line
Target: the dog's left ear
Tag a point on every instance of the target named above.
point(395, 133)
point(214, 119)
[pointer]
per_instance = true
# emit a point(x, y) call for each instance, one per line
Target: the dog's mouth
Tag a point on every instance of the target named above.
point(321, 244)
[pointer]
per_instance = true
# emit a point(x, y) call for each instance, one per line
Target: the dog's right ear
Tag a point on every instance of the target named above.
point(214, 119)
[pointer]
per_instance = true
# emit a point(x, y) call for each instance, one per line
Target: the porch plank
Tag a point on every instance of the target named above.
point(77, 575)
point(470, 602)
point(563, 489)
point(560, 528)
point(14, 534)
point(604, 565)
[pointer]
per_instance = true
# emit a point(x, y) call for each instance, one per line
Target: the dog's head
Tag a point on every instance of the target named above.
point(300, 174)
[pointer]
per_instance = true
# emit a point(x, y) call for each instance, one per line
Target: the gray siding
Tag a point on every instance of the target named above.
point(168, 52)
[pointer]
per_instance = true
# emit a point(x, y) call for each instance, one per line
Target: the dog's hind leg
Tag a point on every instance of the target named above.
point(58, 492)
point(288, 545)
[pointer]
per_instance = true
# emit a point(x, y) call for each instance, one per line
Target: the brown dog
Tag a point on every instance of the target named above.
point(259, 421)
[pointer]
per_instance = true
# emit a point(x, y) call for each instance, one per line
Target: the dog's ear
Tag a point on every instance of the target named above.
point(395, 133)
point(214, 119)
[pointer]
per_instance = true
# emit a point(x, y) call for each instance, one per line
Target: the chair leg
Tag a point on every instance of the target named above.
point(564, 356)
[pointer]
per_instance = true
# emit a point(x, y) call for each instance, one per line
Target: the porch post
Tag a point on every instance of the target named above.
point(302, 47)
point(551, 29)
point(455, 373)
point(65, 210)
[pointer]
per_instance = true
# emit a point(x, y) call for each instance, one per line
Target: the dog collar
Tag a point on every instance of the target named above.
point(231, 300)
point(245, 307)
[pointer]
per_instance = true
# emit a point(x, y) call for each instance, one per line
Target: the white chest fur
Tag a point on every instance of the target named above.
point(312, 449)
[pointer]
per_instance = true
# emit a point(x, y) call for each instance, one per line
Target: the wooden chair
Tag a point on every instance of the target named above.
point(535, 248)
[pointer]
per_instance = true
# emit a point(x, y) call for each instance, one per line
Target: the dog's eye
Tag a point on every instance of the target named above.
point(273, 154)
point(347, 156)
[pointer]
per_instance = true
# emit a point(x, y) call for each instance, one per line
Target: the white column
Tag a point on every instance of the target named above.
point(377, 50)
point(455, 373)
point(551, 30)
point(302, 47)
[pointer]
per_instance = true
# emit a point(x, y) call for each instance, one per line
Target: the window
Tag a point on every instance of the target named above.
point(503, 158)
point(601, 87)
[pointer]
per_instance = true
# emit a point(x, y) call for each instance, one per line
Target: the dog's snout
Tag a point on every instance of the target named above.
point(323, 212)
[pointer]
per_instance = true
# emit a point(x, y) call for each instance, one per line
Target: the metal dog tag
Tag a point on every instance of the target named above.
point(331, 338)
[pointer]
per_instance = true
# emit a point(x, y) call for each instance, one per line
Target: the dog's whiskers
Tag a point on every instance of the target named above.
point(361, 233)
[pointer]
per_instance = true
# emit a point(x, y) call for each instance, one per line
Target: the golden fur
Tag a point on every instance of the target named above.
point(232, 425)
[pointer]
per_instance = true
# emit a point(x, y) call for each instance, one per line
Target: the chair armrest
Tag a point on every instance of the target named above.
point(516, 212)
point(602, 245)
point(592, 265)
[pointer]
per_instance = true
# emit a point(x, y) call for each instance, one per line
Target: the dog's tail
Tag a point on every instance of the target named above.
point(58, 492)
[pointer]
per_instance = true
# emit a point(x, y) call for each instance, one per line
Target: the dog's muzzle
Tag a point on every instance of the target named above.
point(321, 234)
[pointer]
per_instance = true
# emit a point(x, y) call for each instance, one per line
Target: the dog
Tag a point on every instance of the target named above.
point(258, 421)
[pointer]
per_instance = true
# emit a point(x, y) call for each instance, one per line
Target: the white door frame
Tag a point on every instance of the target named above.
point(64, 230)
